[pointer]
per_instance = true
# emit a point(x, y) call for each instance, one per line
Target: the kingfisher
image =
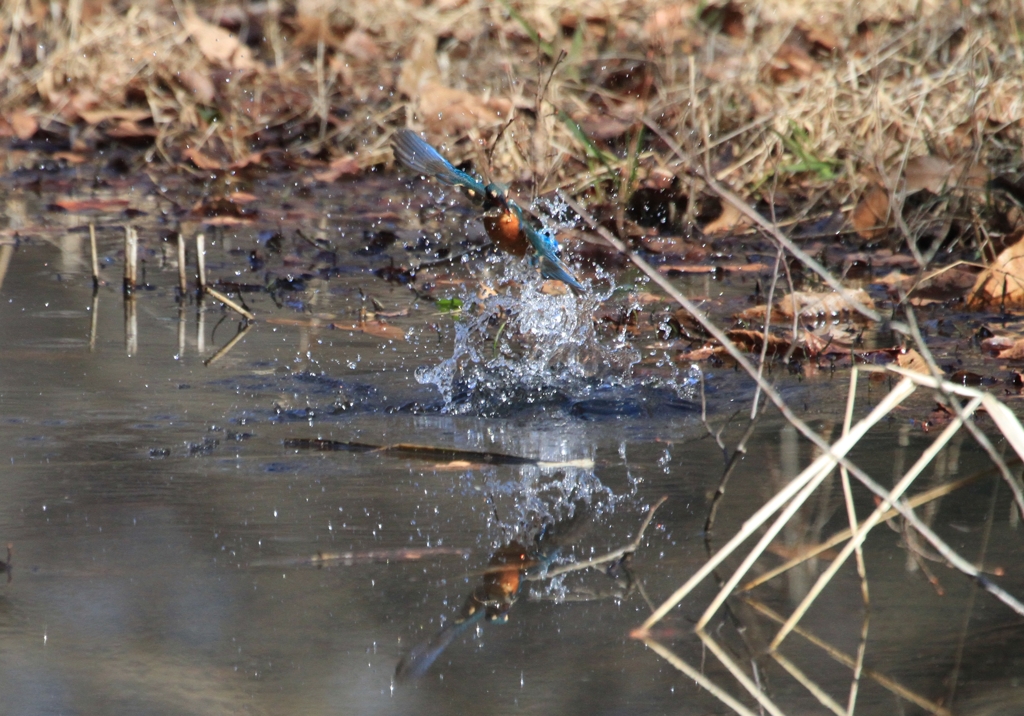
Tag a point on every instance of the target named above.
point(504, 220)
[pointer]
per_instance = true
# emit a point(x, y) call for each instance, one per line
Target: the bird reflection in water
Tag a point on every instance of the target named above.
point(491, 600)
point(503, 580)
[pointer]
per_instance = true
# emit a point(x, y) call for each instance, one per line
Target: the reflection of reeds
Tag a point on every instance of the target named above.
point(229, 345)
point(6, 252)
point(131, 326)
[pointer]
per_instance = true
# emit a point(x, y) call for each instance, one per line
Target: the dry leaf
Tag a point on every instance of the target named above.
point(729, 220)
point(420, 66)
point(791, 62)
point(751, 341)
point(937, 175)
point(202, 161)
point(912, 361)
point(342, 166)
point(76, 205)
point(23, 123)
point(217, 44)
point(73, 158)
point(1014, 352)
point(125, 113)
point(601, 126)
point(361, 46)
point(248, 160)
point(827, 305)
point(871, 216)
point(127, 129)
point(1002, 283)
point(452, 111)
point(373, 328)
point(199, 84)
point(820, 36)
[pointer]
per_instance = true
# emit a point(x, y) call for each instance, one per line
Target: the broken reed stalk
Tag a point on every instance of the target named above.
point(201, 263)
point(182, 278)
point(248, 315)
point(131, 259)
point(95, 257)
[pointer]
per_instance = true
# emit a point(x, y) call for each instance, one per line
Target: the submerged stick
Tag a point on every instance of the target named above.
point(95, 257)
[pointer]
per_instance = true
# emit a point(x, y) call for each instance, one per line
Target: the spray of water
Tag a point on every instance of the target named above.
point(513, 342)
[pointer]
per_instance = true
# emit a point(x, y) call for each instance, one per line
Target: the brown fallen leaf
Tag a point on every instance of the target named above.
point(371, 328)
point(751, 341)
point(217, 44)
point(675, 269)
point(729, 220)
point(127, 129)
point(199, 84)
point(1002, 283)
point(791, 62)
point(1014, 352)
point(912, 361)
point(247, 161)
point(78, 205)
point(360, 46)
point(826, 305)
point(73, 158)
point(420, 65)
point(23, 123)
point(926, 172)
point(346, 165)
point(450, 111)
point(870, 218)
point(937, 174)
point(125, 113)
point(202, 161)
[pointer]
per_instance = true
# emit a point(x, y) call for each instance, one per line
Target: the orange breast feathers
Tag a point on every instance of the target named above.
point(503, 227)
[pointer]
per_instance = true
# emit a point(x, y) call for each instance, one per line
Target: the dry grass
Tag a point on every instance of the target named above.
point(806, 105)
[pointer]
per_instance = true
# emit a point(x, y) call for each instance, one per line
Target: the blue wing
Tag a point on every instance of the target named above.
point(545, 246)
point(417, 155)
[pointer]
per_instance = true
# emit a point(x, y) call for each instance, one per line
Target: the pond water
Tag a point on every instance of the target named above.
point(180, 547)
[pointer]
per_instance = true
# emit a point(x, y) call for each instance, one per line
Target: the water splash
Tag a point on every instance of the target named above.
point(516, 344)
